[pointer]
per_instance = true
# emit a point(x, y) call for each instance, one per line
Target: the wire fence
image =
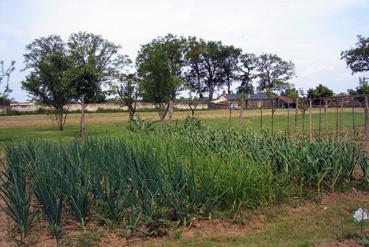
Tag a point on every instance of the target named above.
point(316, 118)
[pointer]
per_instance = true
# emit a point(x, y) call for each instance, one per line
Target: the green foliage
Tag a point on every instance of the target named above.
point(127, 90)
point(363, 87)
point(150, 179)
point(16, 192)
point(159, 69)
point(141, 125)
point(357, 58)
point(192, 122)
point(291, 92)
point(273, 72)
point(49, 81)
point(320, 91)
point(248, 73)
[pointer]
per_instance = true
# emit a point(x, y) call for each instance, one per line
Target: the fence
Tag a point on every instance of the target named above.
point(316, 117)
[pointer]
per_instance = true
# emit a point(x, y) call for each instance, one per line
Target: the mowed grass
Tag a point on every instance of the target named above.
point(15, 128)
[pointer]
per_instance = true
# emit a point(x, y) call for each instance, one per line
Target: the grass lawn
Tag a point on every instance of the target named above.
point(14, 128)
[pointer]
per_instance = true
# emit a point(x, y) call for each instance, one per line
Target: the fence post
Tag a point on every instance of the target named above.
point(320, 117)
point(336, 120)
point(230, 115)
point(296, 114)
point(288, 118)
point(353, 120)
point(325, 114)
point(310, 130)
point(341, 115)
point(366, 113)
point(241, 113)
point(261, 116)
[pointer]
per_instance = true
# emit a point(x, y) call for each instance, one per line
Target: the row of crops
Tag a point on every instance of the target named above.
point(150, 180)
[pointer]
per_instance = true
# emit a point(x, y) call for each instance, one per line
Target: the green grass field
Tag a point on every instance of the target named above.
point(13, 128)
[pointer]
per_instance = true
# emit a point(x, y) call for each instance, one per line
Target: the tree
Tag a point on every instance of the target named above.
point(212, 64)
point(319, 92)
point(357, 58)
point(97, 61)
point(49, 80)
point(195, 72)
point(274, 72)
point(247, 75)
point(290, 91)
point(229, 63)
point(363, 87)
point(4, 78)
point(127, 90)
point(160, 64)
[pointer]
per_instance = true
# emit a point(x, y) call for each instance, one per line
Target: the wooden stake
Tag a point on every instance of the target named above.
point(366, 113)
point(310, 130)
point(325, 114)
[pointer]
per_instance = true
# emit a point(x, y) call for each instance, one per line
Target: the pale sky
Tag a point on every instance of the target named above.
point(311, 33)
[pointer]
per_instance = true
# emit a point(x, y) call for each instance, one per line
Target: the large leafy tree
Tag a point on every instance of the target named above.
point(49, 80)
point(160, 69)
point(320, 91)
point(274, 72)
point(230, 66)
point(4, 81)
point(247, 73)
point(195, 70)
point(357, 58)
point(97, 62)
point(212, 63)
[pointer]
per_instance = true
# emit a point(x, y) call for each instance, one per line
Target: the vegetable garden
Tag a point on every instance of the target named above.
point(158, 177)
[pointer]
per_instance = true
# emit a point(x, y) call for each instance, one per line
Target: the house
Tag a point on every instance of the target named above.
point(252, 101)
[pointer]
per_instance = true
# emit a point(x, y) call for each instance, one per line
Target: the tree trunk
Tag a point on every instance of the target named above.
point(82, 132)
point(163, 110)
point(211, 93)
point(170, 109)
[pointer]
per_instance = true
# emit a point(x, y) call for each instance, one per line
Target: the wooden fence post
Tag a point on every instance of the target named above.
point(320, 117)
point(310, 130)
point(288, 118)
point(296, 114)
point(341, 115)
point(325, 114)
point(241, 113)
point(353, 120)
point(366, 113)
point(261, 116)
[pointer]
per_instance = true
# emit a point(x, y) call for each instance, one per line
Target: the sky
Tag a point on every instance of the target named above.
point(310, 33)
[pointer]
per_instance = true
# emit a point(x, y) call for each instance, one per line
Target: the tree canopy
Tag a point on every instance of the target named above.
point(159, 67)
point(273, 72)
point(49, 81)
point(357, 58)
point(320, 91)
